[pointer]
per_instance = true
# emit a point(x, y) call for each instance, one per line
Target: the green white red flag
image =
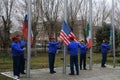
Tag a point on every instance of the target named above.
point(88, 36)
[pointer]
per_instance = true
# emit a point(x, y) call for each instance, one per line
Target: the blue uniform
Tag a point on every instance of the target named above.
point(16, 52)
point(73, 51)
point(83, 51)
point(52, 48)
point(22, 59)
point(104, 49)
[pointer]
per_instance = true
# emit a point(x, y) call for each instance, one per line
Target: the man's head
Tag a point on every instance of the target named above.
point(52, 38)
point(82, 41)
point(71, 39)
point(104, 41)
point(15, 38)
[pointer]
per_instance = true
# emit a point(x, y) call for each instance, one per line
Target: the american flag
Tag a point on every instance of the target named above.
point(25, 29)
point(66, 33)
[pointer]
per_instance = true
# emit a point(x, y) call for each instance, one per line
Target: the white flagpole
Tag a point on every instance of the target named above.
point(64, 54)
point(90, 22)
point(29, 35)
point(113, 33)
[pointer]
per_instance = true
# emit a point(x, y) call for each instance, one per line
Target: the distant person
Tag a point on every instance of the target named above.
point(52, 48)
point(22, 44)
point(83, 51)
point(104, 48)
point(16, 52)
point(73, 51)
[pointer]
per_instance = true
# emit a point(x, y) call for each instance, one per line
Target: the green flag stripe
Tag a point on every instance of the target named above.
point(87, 30)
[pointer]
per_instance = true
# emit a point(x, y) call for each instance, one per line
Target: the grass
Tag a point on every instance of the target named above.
point(2, 77)
point(41, 61)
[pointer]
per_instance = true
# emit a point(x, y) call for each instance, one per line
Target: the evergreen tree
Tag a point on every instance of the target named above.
point(103, 33)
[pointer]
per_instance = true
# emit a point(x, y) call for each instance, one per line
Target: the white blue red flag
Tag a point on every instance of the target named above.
point(25, 29)
point(66, 33)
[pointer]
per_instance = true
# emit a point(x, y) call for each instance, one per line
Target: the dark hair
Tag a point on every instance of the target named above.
point(71, 38)
point(82, 40)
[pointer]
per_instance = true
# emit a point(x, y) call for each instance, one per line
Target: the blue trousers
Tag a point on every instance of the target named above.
point(16, 65)
point(51, 61)
point(22, 64)
point(82, 61)
point(104, 58)
point(74, 61)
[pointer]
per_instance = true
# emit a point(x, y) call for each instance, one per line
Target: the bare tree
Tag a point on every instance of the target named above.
point(101, 11)
point(35, 17)
point(8, 4)
point(49, 12)
point(22, 9)
point(73, 8)
point(117, 14)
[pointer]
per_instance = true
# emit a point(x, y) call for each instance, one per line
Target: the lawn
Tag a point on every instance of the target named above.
point(41, 61)
point(2, 77)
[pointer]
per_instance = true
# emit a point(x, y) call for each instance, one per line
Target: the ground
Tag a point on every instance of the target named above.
point(97, 73)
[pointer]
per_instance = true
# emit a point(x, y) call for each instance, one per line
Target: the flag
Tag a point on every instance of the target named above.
point(25, 29)
point(111, 34)
point(66, 33)
point(88, 36)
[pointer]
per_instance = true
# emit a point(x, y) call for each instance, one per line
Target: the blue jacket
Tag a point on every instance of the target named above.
point(73, 48)
point(83, 49)
point(16, 49)
point(53, 46)
point(22, 44)
point(104, 48)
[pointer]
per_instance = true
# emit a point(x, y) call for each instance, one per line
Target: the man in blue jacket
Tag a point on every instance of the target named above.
point(104, 48)
point(16, 52)
point(83, 51)
point(22, 44)
point(52, 48)
point(73, 51)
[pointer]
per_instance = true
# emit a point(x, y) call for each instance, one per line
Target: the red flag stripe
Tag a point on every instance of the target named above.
point(72, 35)
point(66, 33)
point(64, 37)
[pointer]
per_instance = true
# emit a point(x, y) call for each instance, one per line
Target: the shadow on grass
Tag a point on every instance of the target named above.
point(2, 77)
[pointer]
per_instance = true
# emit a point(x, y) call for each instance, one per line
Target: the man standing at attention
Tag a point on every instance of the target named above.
point(22, 44)
point(83, 51)
point(73, 51)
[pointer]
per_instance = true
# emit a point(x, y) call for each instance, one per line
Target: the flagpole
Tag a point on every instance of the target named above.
point(64, 54)
point(90, 22)
point(113, 34)
point(28, 40)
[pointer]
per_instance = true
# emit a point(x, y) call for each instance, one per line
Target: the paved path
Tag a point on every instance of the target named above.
point(97, 73)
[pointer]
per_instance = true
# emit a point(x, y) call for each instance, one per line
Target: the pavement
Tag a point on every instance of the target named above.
point(97, 73)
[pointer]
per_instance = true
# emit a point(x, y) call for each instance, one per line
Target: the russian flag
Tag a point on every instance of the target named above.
point(25, 29)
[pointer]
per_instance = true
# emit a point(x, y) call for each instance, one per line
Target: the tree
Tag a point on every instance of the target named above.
point(101, 12)
point(8, 4)
point(50, 16)
point(103, 33)
point(117, 14)
point(74, 12)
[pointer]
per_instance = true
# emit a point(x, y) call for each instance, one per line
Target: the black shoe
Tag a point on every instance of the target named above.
point(71, 74)
point(23, 73)
point(77, 74)
point(85, 68)
point(53, 72)
point(103, 66)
